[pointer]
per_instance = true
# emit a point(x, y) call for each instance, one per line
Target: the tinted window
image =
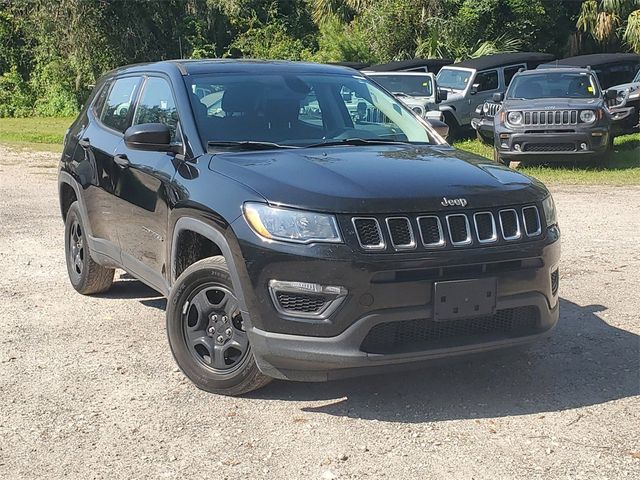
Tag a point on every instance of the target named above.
point(553, 85)
point(453, 78)
point(487, 80)
point(509, 72)
point(414, 85)
point(98, 104)
point(156, 105)
point(115, 113)
point(615, 74)
point(299, 110)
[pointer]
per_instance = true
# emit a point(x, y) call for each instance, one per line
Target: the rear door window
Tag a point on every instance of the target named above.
point(115, 113)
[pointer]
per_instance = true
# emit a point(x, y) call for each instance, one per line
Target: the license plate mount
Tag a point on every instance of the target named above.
point(464, 298)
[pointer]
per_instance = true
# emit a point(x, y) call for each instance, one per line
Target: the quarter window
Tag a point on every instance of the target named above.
point(115, 113)
point(487, 80)
point(157, 105)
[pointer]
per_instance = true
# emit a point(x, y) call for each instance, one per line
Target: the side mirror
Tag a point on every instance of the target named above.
point(443, 95)
point(497, 97)
point(154, 137)
point(474, 88)
point(440, 127)
point(610, 94)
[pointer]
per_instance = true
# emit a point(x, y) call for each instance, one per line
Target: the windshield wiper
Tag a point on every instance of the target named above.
point(248, 145)
point(358, 141)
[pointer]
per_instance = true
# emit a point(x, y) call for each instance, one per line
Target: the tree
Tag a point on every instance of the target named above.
point(612, 23)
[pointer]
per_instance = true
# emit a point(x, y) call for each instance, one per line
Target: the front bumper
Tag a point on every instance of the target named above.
point(519, 145)
point(382, 288)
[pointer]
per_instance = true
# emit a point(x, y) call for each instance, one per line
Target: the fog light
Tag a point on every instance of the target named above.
point(583, 146)
point(302, 299)
point(517, 147)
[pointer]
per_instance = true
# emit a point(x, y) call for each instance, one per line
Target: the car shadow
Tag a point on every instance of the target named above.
point(128, 288)
point(584, 362)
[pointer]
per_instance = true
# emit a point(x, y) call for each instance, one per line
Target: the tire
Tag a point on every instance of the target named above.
point(86, 276)
point(498, 158)
point(205, 331)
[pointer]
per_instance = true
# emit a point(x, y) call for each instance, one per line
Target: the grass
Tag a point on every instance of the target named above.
point(41, 134)
point(622, 168)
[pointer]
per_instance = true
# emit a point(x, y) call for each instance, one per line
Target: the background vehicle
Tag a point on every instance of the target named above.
point(294, 240)
point(553, 113)
point(629, 97)
point(472, 82)
point(425, 65)
point(419, 91)
point(611, 68)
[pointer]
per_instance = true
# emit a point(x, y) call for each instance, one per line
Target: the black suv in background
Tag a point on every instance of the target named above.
point(293, 238)
point(555, 113)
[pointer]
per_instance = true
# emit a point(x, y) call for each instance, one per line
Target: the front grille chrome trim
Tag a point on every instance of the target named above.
point(466, 241)
point(518, 231)
point(494, 231)
point(524, 220)
point(402, 246)
point(380, 246)
point(440, 243)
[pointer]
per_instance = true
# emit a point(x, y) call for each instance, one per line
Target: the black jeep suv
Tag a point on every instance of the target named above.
point(294, 237)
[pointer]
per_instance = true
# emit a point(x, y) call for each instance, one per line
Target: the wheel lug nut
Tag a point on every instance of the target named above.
point(228, 332)
point(211, 330)
point(225, 319)
point(220, 339)
point(214, 318)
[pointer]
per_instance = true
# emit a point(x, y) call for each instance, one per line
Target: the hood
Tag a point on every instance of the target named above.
point(553, 104)
point(376, 178)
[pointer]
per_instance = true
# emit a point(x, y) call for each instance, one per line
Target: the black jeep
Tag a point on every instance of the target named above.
point(296, 240)
point(555, 113)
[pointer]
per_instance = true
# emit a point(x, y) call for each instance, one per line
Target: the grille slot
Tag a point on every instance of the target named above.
point(531, 219)
point(485, 227)
point(555, 282)
point(509, 224)
point(401, 233)
point(431, 231)
point(299, 302)
point(369, 233)
point(491, 109)
point(559, 117)
point(550, 147)
point(424, 334)
point(459, 231)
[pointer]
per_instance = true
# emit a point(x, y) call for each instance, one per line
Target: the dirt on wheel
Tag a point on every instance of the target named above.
point(89, 389)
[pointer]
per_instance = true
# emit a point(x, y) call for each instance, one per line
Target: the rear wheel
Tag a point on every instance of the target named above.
point(86, 276)
point(206, 331)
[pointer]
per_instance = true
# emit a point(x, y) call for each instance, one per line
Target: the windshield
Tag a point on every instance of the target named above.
point(453, 78)
point(298, 110)
point(553, 85)
point(412, 85)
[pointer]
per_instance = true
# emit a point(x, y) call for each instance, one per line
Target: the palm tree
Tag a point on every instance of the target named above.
point(344, 10)
point(612, 21)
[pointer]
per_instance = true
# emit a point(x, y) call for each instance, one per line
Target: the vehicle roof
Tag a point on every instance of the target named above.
point(597, 59)
point(503, 59)
point(248, 66)
point(552, 68)
point(373, 74)
point(430, 63)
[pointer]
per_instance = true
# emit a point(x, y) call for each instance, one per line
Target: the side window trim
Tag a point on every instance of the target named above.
point(112, 82)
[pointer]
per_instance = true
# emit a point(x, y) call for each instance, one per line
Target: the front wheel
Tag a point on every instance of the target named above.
point(206, 331)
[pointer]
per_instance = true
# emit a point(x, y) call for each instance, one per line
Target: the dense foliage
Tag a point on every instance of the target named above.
point(53, 50)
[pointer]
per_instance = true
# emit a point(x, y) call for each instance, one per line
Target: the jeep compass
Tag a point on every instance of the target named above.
point(294, 237)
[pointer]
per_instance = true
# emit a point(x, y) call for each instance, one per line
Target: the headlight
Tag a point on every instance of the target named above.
point(288, 225)
point(514, 118)
point(417, 110)
point(549, 208)
point(479, 109)
point(587, 116)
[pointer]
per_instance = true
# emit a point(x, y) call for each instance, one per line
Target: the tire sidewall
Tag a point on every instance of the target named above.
point(76, 280)
point(197, 276)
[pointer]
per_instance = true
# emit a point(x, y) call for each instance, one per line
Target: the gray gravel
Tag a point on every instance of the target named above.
point(88, 388)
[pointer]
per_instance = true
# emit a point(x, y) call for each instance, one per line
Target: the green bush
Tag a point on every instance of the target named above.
point(16, 99)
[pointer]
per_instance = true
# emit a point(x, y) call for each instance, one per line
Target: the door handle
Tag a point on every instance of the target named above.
point(84, 142)
point(122, 160)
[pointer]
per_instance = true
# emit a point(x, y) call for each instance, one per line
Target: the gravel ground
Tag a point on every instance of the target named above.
point(88, 387)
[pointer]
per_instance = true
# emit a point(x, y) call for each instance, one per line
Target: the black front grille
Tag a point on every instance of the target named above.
point(485, 226)
point(509, 224)
point(549, 147)
point(400, 231)
point(299, 302)
point(423, 334)
point(555, 281)
point(368, 231)
point(458, 228)
point(431, 231)
point(531, 220)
